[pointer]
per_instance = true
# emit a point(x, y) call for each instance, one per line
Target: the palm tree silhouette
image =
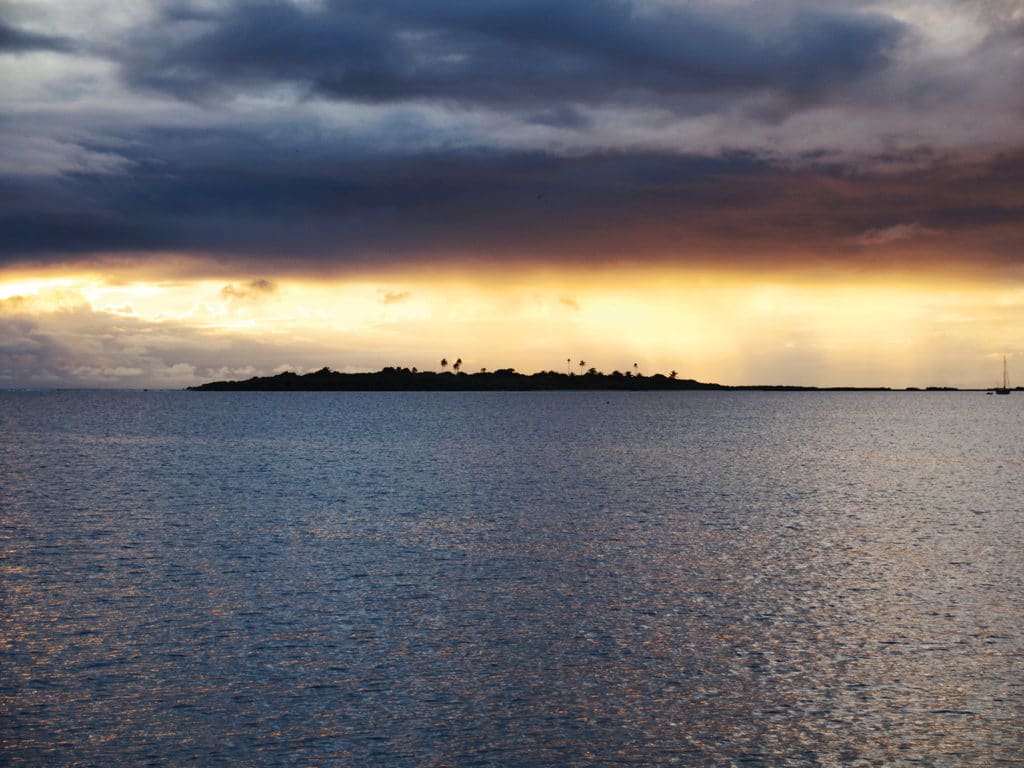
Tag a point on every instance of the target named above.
point(673, 374)
point(444, 363)
point(583, 364)
point(457, 364)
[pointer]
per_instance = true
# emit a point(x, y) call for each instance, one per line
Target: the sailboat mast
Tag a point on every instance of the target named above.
point(1006, 384)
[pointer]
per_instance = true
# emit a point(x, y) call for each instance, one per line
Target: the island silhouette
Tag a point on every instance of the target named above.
point(397, 379)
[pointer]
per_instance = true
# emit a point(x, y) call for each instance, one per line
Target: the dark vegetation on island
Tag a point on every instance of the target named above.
point(394, 379)
point(398, 379)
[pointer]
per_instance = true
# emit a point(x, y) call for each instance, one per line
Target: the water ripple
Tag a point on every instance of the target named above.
point(520, 579)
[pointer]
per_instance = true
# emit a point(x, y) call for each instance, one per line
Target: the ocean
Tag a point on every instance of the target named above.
point(511, 579)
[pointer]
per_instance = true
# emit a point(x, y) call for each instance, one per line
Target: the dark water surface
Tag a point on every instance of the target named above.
point(511, 579)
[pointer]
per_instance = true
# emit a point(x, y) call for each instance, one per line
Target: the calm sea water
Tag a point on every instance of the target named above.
point(511, 579)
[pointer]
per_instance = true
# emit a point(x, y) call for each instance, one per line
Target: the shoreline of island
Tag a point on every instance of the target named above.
point(397, 379)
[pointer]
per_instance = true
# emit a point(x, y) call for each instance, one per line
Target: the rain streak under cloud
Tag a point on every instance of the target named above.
point(320, 140)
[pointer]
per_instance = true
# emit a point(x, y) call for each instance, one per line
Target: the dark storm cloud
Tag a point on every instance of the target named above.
point(15, 40)
point(509, 130)
point(314, 208)
point(241, 195)
point(499, 53)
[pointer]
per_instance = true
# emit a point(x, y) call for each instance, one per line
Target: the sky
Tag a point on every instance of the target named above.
point(743, 191)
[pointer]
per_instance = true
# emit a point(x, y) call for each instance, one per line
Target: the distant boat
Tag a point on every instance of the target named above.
point(1005, 389)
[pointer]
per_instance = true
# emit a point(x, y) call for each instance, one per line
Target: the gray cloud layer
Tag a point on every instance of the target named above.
point(301, 210)
point(15, 40)
point(498, 53)
point(77, 347)
point(336, 134)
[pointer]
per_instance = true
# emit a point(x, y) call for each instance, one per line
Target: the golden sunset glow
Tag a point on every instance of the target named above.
point(722, 327)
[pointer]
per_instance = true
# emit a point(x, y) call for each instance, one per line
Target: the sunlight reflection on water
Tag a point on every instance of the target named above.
point(522, 579)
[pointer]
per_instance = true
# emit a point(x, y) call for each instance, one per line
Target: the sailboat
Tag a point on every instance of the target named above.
point(1005, 389)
